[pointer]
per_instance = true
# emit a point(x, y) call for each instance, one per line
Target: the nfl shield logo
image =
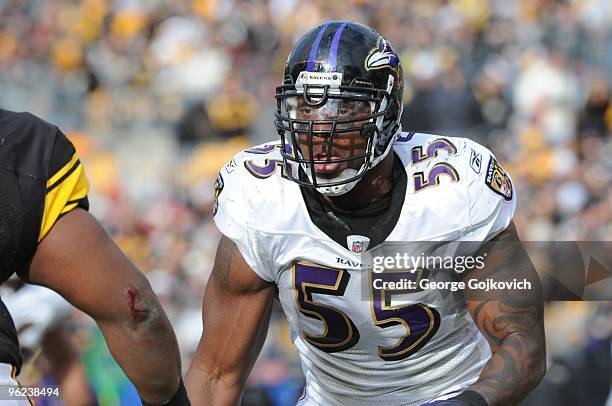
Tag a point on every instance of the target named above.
point(357, 243)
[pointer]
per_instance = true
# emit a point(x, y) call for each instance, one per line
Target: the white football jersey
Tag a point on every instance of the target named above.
point(360, 345)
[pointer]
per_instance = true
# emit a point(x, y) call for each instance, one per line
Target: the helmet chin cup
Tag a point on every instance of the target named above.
point(344, 188)
point(337, 190)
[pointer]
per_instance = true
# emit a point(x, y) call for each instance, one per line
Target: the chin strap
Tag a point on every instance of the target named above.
point(338, 189)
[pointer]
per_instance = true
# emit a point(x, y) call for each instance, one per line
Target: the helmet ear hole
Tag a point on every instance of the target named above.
point(392, 115)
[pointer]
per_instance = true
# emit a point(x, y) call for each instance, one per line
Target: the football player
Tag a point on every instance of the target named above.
point(48, 237)
point(308, 215)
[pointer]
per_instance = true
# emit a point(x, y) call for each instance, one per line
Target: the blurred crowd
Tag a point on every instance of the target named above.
point(158, 94)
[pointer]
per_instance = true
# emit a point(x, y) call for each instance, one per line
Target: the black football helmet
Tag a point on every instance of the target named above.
point(341, 77)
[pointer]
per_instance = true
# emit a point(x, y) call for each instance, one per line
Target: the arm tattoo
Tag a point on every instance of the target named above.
point(512, 322)
point(223, 261)
point(233, 273)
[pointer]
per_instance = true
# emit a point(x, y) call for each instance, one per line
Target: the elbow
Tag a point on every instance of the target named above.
point(142, 313)
point(145, 321)
point(140, 309)
point(135, 311)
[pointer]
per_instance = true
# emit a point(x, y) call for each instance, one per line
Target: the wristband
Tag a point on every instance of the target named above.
point(178, 399)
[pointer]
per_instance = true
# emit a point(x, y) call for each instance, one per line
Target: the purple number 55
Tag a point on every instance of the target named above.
point(420, 321)
point(340, 333)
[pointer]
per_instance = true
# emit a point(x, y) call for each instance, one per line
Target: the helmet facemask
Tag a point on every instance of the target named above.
point(319, 121)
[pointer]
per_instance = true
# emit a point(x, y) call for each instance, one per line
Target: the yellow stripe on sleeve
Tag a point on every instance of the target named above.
point(58, 175)
point(63, 197)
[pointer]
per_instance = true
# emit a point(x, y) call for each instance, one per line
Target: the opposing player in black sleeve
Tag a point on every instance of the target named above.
point(48, 238)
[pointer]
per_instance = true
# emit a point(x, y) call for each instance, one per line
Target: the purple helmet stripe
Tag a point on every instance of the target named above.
point(315, 47)
point(333, 49)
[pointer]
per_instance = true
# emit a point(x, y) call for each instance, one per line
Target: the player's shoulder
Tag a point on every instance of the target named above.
point(257, 169)
point(422, 147)
point(25, 127)
point(482, 170)
point(43, 158)
point(31, 145)
point(458, 175)
point(254, 183)
point(462, 160)
point(21, 120)
point(259, 162)
point(26, 142)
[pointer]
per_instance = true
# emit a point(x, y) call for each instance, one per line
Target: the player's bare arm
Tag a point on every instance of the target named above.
point(512, 322)
point(236, 313)
point(80, 261)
